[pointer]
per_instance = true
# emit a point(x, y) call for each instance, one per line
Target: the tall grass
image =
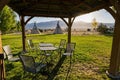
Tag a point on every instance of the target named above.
point(90, 59)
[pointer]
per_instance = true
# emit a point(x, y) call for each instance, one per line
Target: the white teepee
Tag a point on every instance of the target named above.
point(58, 29)
point(35, 30)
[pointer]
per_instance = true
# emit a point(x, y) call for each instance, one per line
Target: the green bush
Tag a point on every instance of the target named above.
point(102, 28)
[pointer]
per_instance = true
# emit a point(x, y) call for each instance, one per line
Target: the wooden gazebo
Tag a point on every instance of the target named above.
point(70, 9)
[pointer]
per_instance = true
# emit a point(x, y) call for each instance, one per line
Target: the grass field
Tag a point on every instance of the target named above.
point(90, 60)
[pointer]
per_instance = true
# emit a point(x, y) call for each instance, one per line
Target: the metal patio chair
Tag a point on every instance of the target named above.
point(9, 53)
point(33, 47)
point(61, 47)
point(30, 44)
point(29, 64)
point(70, 47)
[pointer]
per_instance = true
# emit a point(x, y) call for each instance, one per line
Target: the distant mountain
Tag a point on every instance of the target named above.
point(52, 25)
point(46, 25)
point(109, 24)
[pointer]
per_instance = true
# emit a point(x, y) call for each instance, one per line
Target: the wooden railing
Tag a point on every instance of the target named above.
point(2, 69)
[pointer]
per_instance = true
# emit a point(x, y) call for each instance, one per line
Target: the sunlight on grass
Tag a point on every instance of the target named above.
point(90, 59)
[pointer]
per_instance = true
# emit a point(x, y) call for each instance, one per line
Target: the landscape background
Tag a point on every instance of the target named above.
point(79, 25)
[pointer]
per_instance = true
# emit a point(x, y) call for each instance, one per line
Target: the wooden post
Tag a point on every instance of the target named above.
point(2, 69)
point(69, 24)
point(69, 29)
point(23, 33)
point(28, 20)
point(115, 53)
point(0, 43)
point(113, 71)
point(23, 23)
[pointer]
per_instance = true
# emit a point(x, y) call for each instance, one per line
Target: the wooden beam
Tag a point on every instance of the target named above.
point(52, 10)
point(87, 6)
point(23, 33)
point(90, 10)
point(116, 4)
point(44, 15)
point(65, 21)
point(81, 4)
point(73, 20)
point(45, 7)
point(117, 7)
point(24, 1)
point(113, 2)
point(66, 9)
point(48, 7)
point(111, 12)
point(3, 3)
point(28, 20)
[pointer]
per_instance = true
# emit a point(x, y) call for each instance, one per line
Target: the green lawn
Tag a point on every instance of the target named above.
point(90, 60)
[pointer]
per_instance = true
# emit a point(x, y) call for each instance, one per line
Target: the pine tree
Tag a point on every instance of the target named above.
point(7, 20)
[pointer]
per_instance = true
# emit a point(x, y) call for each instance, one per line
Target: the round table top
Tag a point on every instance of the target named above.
point(48, 48)
point(45, 44)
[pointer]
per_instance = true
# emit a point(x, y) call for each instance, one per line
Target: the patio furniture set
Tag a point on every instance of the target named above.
point(28, 62)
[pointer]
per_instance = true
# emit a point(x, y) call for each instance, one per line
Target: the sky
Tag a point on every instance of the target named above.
point(101, 16)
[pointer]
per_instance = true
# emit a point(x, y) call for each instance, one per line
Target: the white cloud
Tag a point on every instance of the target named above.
point(101, 16)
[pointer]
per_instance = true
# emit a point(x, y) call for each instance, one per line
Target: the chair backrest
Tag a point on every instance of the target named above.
point(62, 43)
point(30, 43)
point(70, 47)
point(28, 63)
point(8, 51)
point(5, 56)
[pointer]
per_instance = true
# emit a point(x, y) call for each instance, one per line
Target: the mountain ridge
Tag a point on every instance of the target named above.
point(53, 24)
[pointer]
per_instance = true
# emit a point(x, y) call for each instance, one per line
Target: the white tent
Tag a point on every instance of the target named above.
point(35, 30)
point(58, 29)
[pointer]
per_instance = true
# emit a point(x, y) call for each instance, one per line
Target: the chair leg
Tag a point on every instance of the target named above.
point(60, 53)
point(69, 68)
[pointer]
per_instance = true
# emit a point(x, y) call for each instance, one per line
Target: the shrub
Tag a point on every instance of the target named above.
point(102, 28)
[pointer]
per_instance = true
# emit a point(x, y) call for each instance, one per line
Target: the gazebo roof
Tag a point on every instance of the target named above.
point(57, 8)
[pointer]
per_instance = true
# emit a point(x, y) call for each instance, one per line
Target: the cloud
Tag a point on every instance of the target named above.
point(101, 16)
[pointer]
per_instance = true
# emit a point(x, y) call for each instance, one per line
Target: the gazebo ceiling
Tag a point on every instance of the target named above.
point(57, 8)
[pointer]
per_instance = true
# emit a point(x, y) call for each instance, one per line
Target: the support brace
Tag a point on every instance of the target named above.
point(69, 24)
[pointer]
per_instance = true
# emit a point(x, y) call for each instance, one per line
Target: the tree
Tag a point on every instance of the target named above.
point(102, 28)
point(7, 20)
point(18, 26)
point(94, 24)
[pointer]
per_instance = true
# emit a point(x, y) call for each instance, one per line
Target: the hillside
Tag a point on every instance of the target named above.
point(52, 25)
